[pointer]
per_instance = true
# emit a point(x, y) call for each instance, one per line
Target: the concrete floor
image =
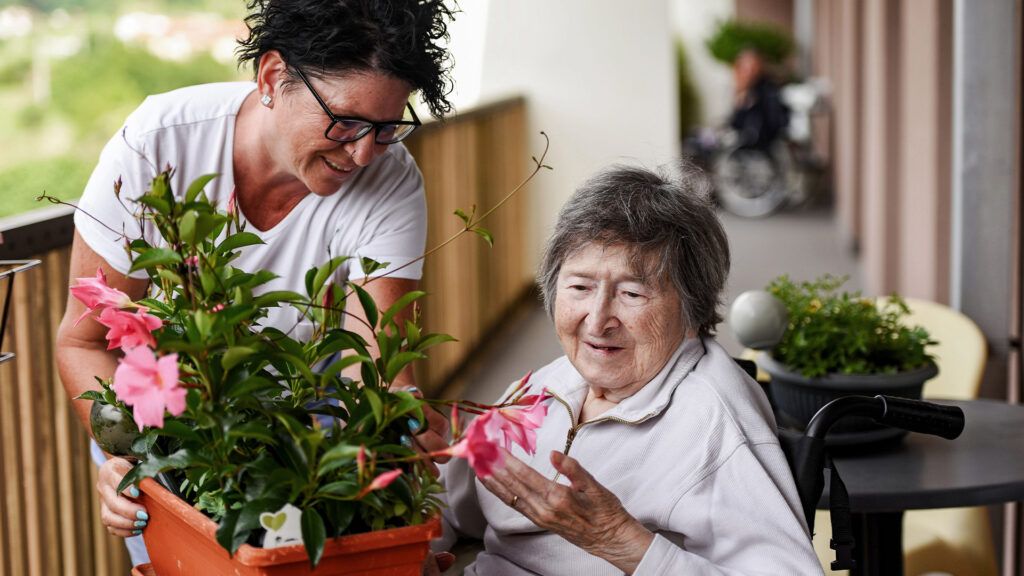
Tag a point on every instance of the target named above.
point(804, 244)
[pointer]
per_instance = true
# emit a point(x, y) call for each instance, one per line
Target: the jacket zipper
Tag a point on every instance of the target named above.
point(575, 428)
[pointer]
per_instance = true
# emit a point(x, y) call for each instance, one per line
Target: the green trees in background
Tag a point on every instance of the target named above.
point(90, 94)
point(96, 88)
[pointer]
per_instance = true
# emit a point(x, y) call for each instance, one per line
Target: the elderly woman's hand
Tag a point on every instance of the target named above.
point(585, 513)
point(119, 512)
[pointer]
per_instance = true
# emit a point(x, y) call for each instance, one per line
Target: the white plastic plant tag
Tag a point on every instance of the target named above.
point(283, 527)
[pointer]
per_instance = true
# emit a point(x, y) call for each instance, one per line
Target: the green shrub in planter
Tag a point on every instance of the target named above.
point(732, 37)
point(839, 343)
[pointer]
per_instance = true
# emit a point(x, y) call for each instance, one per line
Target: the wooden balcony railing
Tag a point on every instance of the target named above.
point(49, 514)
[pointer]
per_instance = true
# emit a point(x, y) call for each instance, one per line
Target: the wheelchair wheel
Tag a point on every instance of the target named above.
point(754, 183)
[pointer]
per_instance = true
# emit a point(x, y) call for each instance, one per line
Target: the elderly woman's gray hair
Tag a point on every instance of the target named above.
point(669, 221)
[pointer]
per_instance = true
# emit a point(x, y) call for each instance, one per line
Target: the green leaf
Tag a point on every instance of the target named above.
point(226, 536)
point(399, 361)
point(485, 234)
point(369, 265)
point(375, 404)
point(155, 257)
point(187, 227)
point(154, 304)
point(313, 535)
point(336, 456)
point(178, 429)
point(336, 367)
point(340, 489)
point(197, 186)
point(170, 276)
point(255, 430)
point(94, 395)
point(407, 403)
point(310, 276)
point(433, 340)
point(251, 386)
point(324, 272)
point(275, 297)
point(338, 340)
point(462, 216)
point(369, 306)
point(399, 305)
point(234, 355)
point(156, 203)
point(238, 240)
point(205, 224)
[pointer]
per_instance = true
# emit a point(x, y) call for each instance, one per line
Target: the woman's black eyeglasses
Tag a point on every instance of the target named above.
point(351, 128)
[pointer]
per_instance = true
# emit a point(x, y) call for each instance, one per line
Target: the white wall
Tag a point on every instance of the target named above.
point(693, 21)
point(598, 75)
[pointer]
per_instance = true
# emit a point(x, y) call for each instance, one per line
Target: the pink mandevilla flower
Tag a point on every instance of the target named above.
point(149, 385)
point(481, 451)
point(128, 330)
point(518, 425)
point(96, 294)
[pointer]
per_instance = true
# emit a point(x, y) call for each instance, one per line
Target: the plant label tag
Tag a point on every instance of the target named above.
point(283, 527)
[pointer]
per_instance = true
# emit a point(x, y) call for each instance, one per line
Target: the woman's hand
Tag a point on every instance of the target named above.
point(430, 436)
point(585, 513)
point(119, 512)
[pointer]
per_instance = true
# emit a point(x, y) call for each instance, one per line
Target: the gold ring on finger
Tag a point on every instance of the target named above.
point(514, 501)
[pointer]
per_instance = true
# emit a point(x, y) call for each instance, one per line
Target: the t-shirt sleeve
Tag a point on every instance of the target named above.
point(105, 220)
point(395, 230)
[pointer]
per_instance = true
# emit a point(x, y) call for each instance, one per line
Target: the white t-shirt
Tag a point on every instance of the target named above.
point(379, 213)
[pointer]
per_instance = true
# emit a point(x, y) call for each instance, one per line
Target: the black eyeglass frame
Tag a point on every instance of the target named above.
point(369, 125)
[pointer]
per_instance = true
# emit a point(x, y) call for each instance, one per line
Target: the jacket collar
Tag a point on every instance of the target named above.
point(570, 387)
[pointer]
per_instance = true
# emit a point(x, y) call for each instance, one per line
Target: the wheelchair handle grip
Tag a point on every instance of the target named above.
point(921, 416)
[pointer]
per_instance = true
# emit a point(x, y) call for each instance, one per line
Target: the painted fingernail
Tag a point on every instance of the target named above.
point(136, 532)
point(142, 515)
point(140, 523)
point(412, 390)
point(134, 492)
point(414, 425)
point(406, 441)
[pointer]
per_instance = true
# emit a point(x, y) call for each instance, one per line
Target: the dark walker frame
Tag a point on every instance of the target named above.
point(8, 268)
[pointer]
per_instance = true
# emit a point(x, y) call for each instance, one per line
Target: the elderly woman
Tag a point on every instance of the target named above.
point(309, 155)
point(658, 454)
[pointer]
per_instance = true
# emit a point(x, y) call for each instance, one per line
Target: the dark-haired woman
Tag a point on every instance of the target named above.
point(308, 154)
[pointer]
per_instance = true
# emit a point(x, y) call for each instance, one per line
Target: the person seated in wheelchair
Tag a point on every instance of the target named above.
point(759, 117)
point(658, 454)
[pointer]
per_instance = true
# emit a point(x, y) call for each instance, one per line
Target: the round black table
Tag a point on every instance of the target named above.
point(985, 465)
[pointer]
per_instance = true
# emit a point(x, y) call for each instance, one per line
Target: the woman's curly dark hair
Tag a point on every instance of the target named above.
point(396, 37)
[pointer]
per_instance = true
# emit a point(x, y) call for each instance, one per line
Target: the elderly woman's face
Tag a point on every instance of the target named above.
point(617, 330)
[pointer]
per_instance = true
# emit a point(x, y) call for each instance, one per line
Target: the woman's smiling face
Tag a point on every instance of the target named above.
point(299, 147)
point(616, 328)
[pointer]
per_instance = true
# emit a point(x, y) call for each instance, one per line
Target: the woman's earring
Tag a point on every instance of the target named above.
point(266, 100)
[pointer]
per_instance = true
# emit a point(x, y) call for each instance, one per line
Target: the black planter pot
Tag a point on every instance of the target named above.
point(797, 398)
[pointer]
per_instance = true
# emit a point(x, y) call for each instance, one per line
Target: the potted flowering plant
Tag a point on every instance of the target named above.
point(838, 343)
point(249, 430)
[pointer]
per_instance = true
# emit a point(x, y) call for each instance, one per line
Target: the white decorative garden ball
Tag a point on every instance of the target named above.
point(758, 319)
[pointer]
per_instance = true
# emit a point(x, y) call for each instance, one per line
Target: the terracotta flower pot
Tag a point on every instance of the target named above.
point(181, 542)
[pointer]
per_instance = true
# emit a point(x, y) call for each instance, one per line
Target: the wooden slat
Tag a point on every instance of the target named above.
point(56, 292)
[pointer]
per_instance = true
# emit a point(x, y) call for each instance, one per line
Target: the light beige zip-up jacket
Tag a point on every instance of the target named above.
point(693, 455)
